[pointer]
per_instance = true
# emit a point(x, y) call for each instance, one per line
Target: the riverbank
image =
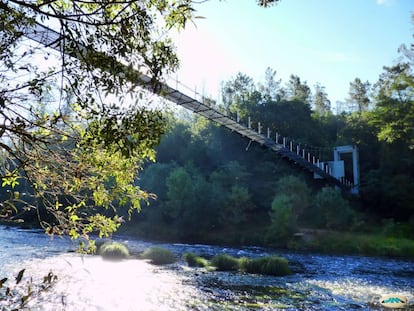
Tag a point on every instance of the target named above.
point(304, 240)
point(351, 243)
point(328, 242)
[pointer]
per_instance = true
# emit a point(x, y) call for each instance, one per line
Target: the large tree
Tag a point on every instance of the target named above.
point(298, 90)
point(74, 122)
point(359, 95)
point(394, 94)
point(394, 112)
point(322, 105)
point(238, 94)
point(271, 87)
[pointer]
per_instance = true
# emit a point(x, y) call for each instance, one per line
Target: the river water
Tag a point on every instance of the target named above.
point(319, 282)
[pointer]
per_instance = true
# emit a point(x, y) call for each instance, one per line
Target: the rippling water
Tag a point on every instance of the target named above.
point(91, 283)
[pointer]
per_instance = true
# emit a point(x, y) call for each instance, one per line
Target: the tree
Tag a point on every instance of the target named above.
point(180, 193)
point(297, 193)
point(330, 210)
point(237, 94)
point(82, 162)
point(394, 94)
point(359, 94)
point(320, 100)
point(231, 198)
point(271, 87)
point(394, 112)
point(283, 223)
point(298, 90)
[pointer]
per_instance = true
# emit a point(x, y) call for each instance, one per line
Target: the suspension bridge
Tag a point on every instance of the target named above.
point(198, 104)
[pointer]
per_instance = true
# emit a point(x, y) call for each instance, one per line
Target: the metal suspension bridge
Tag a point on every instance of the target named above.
point(281, 145)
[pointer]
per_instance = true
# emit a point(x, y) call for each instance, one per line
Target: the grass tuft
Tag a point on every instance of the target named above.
point(224, 262)
point(113, 251)
point(195, 261)
point(159, 255)
point(272, 265)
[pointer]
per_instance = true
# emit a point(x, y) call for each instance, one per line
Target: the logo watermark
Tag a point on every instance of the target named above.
point(394, 301)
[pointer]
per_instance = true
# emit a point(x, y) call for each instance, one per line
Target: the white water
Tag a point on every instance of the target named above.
point(91, 283)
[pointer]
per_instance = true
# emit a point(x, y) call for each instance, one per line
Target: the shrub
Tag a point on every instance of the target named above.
point(335, 211)
point(296, 190)
point(283, 219)
point(273, 265)
point(159, 255)
point(224, 262)
point(113, 251)
point(195, 261)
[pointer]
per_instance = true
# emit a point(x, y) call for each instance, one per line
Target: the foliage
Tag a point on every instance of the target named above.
point(296, 190)
point(359, 94)
point(267, 3)
point(339, 242)
point(394, 112)
point(180, 193)
point(113, 251)
point(330, 210)
point(298, 90)
point(282, 218)
point(237, 95)
point(271, 87)
point(69, 130)
point(230, 193)
point(291, 200)
point(322, 104)
point(271, 265)
point(225, 262)
point(195, 261)
point(159, 255)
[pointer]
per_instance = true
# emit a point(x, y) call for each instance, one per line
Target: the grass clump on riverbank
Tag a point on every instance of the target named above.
point(270, 265)
point(195, 261)
point(113, 251)
point(158, 255)
point(224, 262)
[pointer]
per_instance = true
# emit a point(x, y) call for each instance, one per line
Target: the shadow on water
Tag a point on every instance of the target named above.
point(90, 283)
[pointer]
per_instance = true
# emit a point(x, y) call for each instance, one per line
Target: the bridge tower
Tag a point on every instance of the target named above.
point(355, 163)
point(336, 168)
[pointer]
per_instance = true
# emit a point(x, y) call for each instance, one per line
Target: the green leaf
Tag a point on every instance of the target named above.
point(58, 205)
point(74, 218)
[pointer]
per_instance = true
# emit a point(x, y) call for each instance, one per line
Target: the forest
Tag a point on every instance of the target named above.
point(212, 186)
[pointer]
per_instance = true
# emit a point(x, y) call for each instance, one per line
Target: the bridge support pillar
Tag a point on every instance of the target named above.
point(355, 163)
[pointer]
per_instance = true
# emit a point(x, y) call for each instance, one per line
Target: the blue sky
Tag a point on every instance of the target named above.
point(326, 41)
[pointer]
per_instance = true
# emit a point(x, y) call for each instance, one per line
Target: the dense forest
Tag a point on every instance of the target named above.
point(212, 186)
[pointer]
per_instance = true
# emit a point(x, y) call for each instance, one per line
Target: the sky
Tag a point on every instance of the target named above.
point(330, 42)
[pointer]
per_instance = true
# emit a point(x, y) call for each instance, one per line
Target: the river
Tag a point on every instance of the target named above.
point(319, 282)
